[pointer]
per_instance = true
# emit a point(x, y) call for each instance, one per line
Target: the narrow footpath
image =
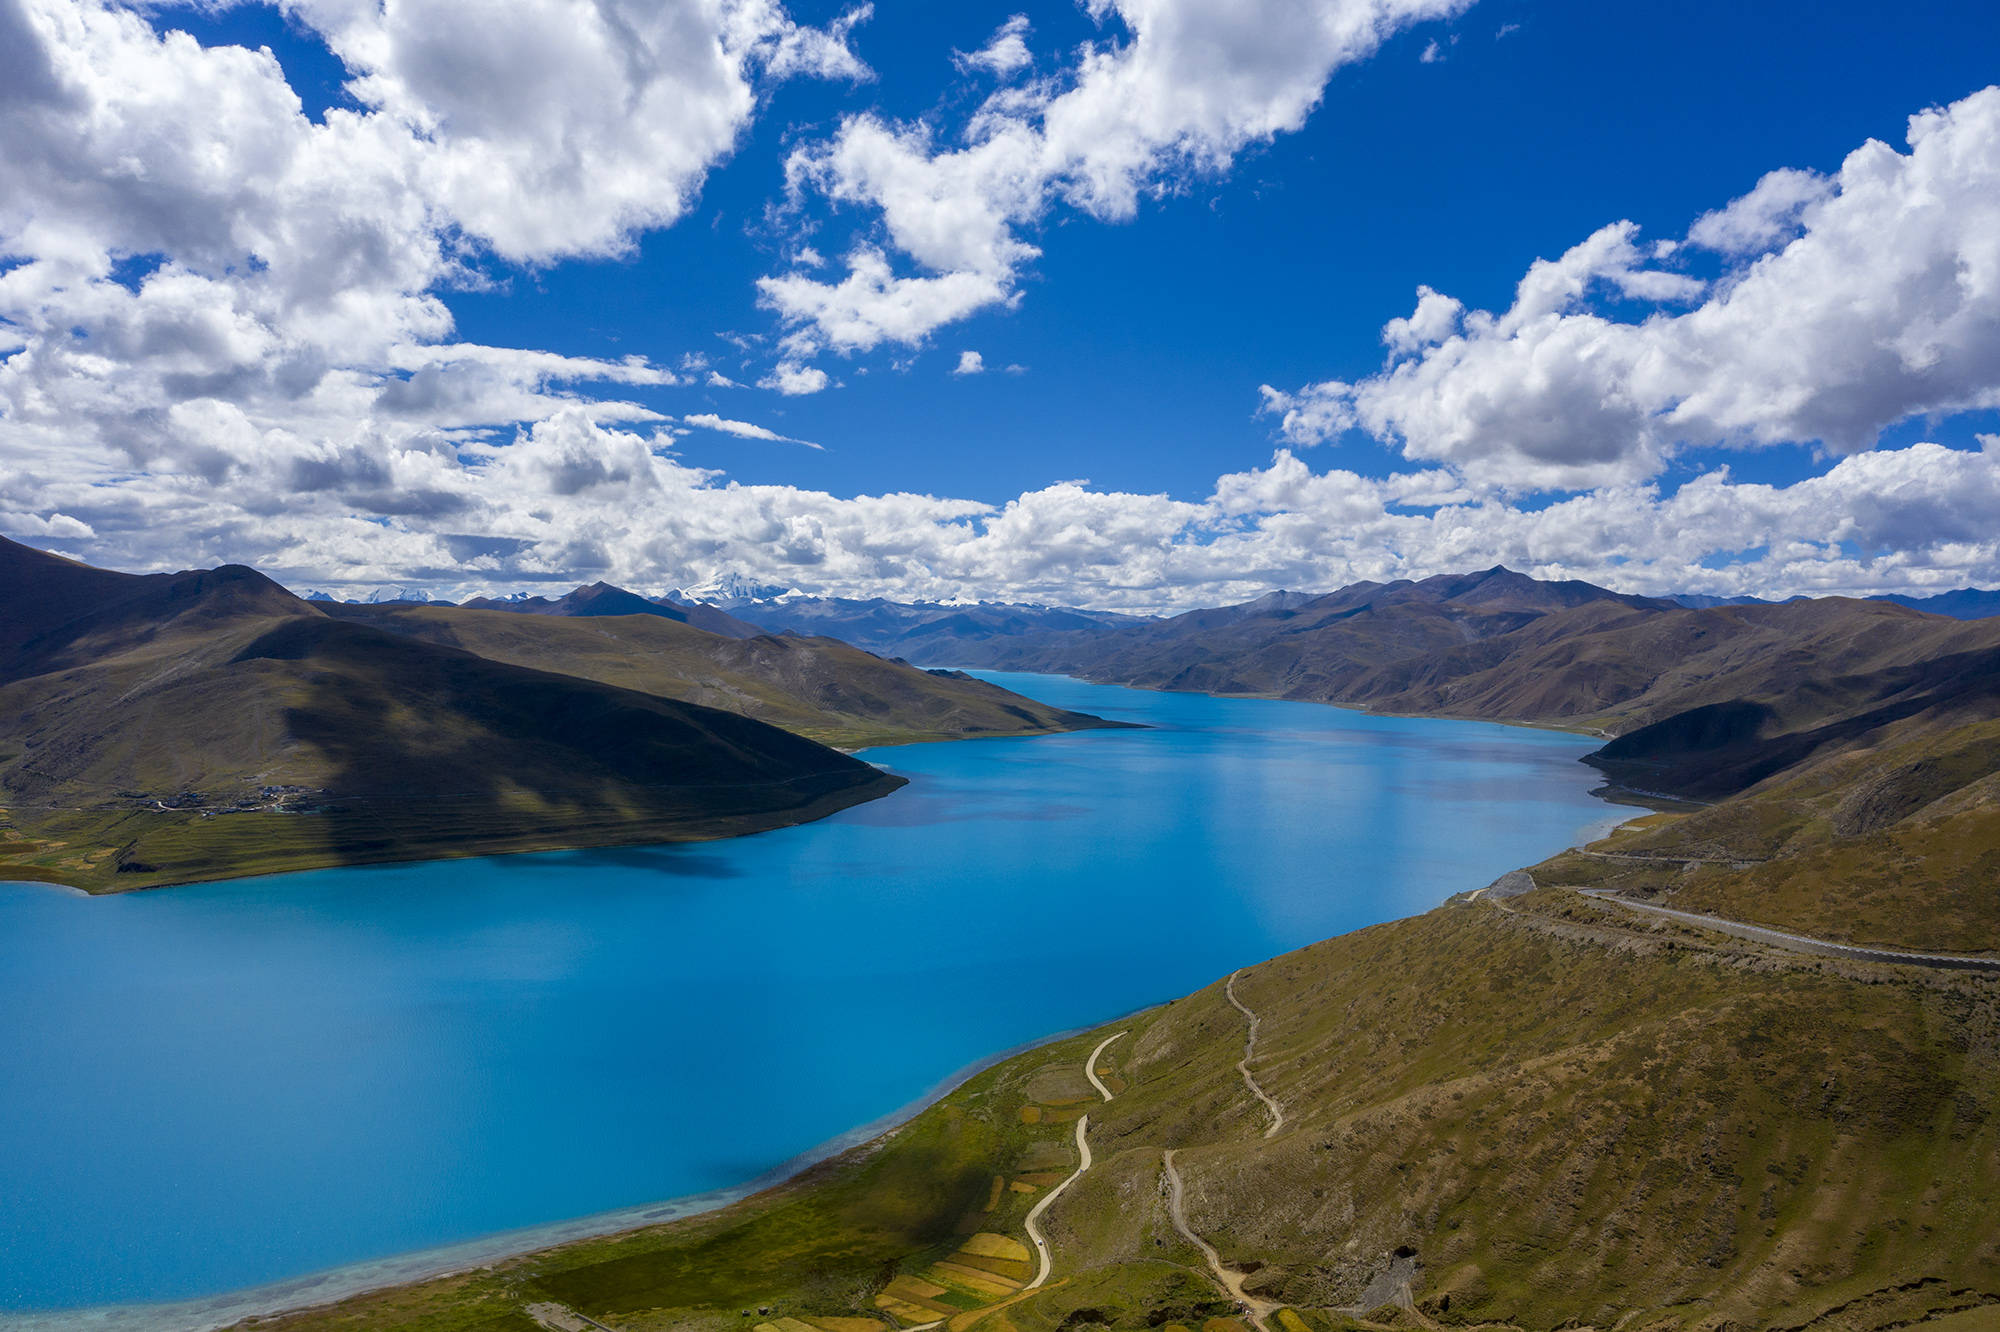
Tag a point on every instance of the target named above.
point(1249, 1053)
point(1033, 1225)
point(1231, 1280)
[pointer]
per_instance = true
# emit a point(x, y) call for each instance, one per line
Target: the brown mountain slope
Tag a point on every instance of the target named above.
point(166, 728)
point(1307, 647)
point(1704, 701)
point(1616, 668)
point(817, 687)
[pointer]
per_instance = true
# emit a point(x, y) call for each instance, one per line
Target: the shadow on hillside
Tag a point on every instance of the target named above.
point(1722, 748)
point(422, 751)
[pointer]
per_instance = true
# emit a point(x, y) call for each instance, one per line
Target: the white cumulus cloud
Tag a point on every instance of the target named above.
point(202, 280)
point(1853, 302)
point(1186, 86)
point(795, 380)
point(569, 499)
point(1005, 53)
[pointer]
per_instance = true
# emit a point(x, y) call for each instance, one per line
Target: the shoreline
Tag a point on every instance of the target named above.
point(724, 827)
point(210, 1313)
point(755, 824)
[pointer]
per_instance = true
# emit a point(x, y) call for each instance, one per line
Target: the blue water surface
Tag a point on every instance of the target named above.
point(216, 1086)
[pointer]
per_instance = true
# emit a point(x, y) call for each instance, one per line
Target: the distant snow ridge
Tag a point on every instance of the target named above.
point(735, 587)
point(380, 596)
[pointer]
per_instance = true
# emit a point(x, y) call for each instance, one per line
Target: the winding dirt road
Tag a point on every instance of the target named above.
point(1090, 1066)
point(1799, 943)
point(1033, 1225)
point(1249, 1053)
point(1232, 1281)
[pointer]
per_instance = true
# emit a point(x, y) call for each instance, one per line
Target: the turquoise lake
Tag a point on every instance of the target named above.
point(218, 1086)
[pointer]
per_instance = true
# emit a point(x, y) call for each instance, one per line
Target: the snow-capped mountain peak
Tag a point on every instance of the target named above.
point(735, 587)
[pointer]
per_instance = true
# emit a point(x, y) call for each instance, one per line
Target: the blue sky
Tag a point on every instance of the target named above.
point(1141, 341)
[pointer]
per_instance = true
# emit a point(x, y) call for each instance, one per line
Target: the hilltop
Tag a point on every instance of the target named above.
point(165, 728)
point(818, 687)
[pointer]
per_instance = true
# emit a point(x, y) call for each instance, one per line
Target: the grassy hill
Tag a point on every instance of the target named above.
point(1895, 842)
point(1535, 1113)
point(167, 728)
point(817, 687)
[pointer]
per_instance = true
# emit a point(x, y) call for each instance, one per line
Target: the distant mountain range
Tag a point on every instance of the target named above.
point(1969, 603)
point(1495, 645)
point(604, 599)
point(936, 633)
point(960, 633)
point(1704, 701)
point(163, 728)
point(380, 596)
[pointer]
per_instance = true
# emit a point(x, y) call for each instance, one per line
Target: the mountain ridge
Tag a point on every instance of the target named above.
point(828, 690)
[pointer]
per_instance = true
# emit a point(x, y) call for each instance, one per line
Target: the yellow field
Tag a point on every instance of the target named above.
point(997, 1246)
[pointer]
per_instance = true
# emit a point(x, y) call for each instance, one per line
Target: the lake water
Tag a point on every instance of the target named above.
point(217, 1086)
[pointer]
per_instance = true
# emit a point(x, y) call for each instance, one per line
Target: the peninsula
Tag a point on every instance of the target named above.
point(166, 728)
